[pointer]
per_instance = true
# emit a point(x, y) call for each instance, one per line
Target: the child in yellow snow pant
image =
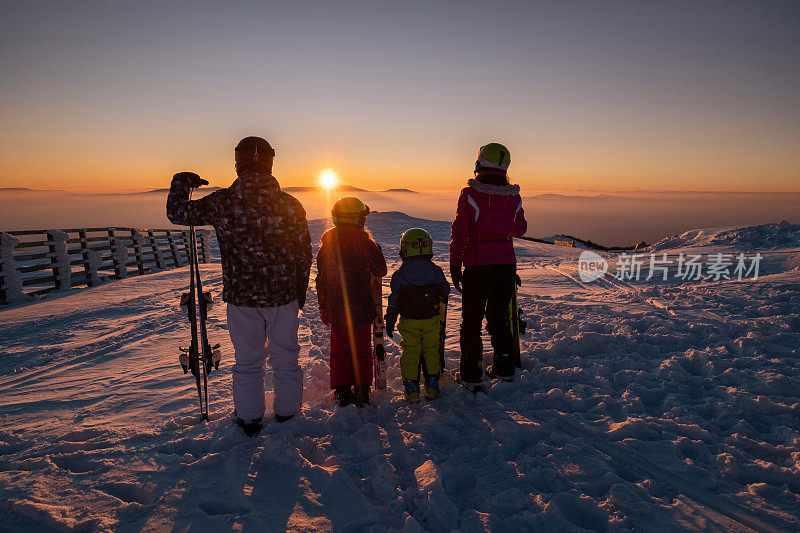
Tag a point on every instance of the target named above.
point(419, 297)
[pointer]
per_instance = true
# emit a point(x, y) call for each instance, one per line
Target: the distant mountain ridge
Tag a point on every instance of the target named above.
point(27, 189)
point(315, 188)
point(165, 190)
point(306, 188)
point(553, 196)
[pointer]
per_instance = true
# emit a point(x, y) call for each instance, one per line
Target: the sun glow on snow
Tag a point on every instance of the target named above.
point(328, 179)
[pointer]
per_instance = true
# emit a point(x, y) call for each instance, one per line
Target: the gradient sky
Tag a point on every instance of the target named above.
point(587, 95)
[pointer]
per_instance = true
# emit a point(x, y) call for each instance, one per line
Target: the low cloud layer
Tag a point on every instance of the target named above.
point(610, 218)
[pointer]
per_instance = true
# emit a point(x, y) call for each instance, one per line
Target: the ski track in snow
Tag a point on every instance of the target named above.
point(640, 407)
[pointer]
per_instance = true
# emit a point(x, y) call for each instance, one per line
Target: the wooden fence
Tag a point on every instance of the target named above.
point(34, 263)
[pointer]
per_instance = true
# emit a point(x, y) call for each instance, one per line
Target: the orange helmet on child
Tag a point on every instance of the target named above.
point(349, 210)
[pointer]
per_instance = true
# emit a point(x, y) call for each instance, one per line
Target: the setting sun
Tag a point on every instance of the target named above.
point(327, 179)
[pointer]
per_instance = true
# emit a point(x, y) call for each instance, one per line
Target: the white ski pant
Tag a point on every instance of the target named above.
point(259, 334)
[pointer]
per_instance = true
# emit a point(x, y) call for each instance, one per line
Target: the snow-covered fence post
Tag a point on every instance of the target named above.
point(158, 255)
point(173, 248)
point(10, 278)
point(138, 239)
point(89, 274)
point(205, 246)
point(119, 254)
point(59, 259)
point(93, 265)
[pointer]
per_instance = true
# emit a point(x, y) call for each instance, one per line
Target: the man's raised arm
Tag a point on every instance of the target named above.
point(181, 210)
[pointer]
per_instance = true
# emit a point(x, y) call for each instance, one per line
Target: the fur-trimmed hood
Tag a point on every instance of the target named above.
point(498, 190)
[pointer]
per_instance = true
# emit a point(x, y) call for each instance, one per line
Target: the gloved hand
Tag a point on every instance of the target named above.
point(389, 320)
point(302, 288)
point(194, 180)
point(456, 276)
point(518, 280)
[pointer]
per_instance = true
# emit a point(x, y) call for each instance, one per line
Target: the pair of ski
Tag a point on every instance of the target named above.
point(200, 357)
point(515, 319)
point(378, 348)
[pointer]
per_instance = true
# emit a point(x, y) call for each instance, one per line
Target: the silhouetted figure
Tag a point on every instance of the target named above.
point(347, 258)
point(266, 260)
point(489, 214)
point(419, 298)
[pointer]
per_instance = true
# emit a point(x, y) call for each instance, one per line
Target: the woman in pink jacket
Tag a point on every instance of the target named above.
point(489, 214)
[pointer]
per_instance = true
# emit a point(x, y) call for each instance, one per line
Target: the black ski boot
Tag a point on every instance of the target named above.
point(473, 387)
point(361, 395)
point(343, 394)
point(283, 418)
point(251, 429)
point(502, 368)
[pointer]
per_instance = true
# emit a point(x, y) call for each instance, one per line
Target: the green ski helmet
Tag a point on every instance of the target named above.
point(493, 155)
point(416, 242)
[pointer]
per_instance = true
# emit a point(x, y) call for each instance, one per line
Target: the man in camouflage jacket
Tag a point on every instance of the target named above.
point(266, 260)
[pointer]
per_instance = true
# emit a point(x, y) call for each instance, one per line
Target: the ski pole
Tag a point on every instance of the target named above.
point(206, 357)
point(194, 349)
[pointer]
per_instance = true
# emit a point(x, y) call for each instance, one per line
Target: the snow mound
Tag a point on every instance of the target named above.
point(762, 237)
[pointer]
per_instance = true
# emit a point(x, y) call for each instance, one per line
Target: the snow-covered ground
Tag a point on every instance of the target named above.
point(641, 406)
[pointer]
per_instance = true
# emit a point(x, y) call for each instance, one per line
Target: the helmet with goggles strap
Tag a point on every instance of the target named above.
point(493, 155)
point(349, 210)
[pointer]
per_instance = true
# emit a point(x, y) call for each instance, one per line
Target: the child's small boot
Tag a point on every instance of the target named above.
point(412, 391)
point(431, 387)
point(343, 394)
point(361, 395)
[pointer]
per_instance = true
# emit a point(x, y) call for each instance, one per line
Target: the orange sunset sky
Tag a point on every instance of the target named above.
point(586, 95)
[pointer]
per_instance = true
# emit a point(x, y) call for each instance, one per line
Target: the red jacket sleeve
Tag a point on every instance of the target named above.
point(520, 225)
point(459, 232)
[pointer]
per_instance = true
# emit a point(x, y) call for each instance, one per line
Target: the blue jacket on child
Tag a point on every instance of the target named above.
point(417, 288)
